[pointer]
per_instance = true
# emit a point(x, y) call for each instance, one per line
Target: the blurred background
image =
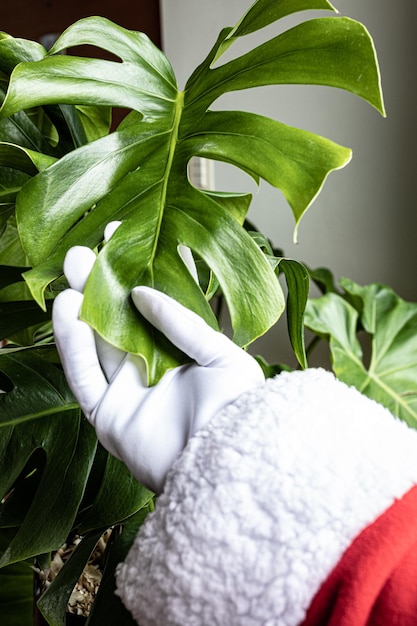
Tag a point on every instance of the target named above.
point(363, 224)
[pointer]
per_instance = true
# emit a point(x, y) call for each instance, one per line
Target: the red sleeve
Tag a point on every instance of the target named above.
point(375, 582)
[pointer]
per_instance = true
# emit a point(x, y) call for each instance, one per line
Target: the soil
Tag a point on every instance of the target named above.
point(85, 590)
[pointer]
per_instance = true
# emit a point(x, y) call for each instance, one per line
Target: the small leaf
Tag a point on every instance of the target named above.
point(324, 279)
point(95, 120)
point(298, 282)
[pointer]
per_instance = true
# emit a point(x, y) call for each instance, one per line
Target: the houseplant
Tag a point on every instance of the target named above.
point(64, 175)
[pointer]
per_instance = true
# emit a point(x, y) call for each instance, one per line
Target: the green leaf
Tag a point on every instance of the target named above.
point(262, 13)
point(138, 174)
point(53, 602)
point(333, 51)
point(265, 12)
point(298, 283)
point(144, 81)
point(14, 50)
point(16, 316)
point(295, 161)
point(324, 279)
point(16, 594)
point(112, 504)
point(95, 120)
point(23, 159)
point(107, 606)
point(63, 466)
point(82, 170)
point(47, 453)
point(391, 324)
point(39, 388)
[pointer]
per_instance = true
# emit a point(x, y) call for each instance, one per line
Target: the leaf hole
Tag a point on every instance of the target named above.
point(6, 384)
point(365, 341)
point(18, 498)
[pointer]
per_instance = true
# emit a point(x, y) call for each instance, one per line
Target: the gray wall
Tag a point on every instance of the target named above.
point(363, 224)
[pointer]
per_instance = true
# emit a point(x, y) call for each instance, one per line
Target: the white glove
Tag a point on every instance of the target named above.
point(147, 427)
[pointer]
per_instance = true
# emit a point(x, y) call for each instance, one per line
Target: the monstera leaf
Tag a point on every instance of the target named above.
point(391, 324)
point(138, 173)
point(52, 476)
point(32, 140)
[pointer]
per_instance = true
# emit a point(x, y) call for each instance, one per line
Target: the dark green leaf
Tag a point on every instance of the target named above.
point(68, 456)
point(53, 602)
point(23, 159)
point(119, 496)
point(47, 450)
point(16, 594)
point(298, 282)
point(107, 606)
point(271, 370)
point(16, 316)
point(39, 388)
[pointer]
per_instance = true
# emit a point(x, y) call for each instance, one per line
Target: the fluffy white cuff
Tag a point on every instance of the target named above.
point(262, 504)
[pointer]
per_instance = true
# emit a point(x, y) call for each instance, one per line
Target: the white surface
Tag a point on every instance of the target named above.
point(263, 502)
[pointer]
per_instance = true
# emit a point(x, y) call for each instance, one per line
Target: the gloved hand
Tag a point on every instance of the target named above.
point(147, 427)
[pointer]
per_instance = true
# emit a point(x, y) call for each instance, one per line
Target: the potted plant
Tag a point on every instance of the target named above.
point(64, 174)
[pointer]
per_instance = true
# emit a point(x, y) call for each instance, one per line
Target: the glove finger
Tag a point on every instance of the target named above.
point(78, 264)
point(185, 329)
point(77, 348)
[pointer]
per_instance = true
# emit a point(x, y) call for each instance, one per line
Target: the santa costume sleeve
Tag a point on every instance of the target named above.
point(296, 505)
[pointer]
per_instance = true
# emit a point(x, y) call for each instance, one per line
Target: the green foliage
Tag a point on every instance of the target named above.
point(390, 324)
point(138, 173)
point(16, 594)
point(64, 175)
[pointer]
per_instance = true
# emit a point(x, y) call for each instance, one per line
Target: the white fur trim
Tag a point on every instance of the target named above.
point(262, 504)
